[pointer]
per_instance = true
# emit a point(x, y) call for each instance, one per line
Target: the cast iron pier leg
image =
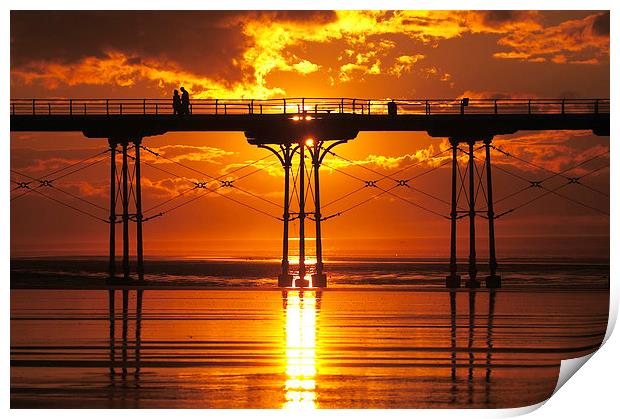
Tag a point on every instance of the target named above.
point(112, 262)
point(286, 279)
point(319, 279)
point(493, 280)
point(138, 189)
point(125, 215)
point(302, 217)
point(453, 280)
point(473, 271)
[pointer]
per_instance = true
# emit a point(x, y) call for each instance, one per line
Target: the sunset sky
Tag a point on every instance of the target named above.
point(358, 54)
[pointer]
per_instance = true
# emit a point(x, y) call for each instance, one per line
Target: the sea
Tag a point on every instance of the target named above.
point(219, 333)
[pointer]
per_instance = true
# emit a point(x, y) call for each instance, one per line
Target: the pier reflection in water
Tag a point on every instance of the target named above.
point(472, 350)
point(127, 347)
point(301, 311)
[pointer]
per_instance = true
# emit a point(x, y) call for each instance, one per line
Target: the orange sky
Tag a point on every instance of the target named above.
point(411, 54)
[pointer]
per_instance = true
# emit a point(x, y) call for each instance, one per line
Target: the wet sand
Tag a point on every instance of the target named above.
point(340, 348)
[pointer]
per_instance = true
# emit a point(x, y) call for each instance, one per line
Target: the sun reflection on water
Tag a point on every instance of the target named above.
point(300, 387)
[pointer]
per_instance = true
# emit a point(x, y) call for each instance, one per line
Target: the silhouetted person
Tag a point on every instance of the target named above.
point(392, 110)
point(184, 101)
point(176, 103)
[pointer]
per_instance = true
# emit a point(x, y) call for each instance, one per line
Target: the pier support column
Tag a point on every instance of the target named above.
point(319, 279)
point(493, 280)
point(473, 270)
point(303, 282)
point(125, 214)
point(286, 279)
point(112, 218)
point(285, 155)
point(453, 280)
point(138, 193)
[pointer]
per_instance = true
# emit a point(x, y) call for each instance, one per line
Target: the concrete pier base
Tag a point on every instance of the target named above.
point(453, 281)
point(285, 281)
point(319, 280)
point(493, 281)
point(472, 283)
point(302, 283)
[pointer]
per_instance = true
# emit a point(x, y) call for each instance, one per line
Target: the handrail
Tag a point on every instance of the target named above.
point(357, 106)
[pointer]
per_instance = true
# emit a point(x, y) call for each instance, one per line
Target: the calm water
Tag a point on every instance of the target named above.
point(401, 342)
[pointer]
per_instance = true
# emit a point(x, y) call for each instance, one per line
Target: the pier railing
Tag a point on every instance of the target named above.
point(310, 105)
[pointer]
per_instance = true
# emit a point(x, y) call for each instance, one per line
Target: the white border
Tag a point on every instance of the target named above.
point(591, 394)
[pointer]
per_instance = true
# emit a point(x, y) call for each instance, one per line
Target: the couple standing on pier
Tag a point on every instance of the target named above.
point(180, 104)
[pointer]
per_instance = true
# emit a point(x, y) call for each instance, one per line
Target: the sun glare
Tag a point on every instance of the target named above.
point(300, 386)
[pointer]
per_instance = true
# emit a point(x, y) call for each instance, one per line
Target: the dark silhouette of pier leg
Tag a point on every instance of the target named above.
point(112, 262)
point(318, 153)
point(286, 279)
point(138, 190)
point(493, 280)
point(319, 279)
point(473, 271)
point(302, 217)
point(453, 280)
point(112, 313)
point(125, 215)
point(285, 155)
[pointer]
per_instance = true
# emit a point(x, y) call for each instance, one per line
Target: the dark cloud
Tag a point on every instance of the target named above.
point(133, 61)
point(199, 41)
point(311, 16)
point(496, 18)
point(317, 17)
point(601, 24)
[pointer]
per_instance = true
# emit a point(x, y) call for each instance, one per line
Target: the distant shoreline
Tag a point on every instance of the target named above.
point(90, 273)
point(344, 259)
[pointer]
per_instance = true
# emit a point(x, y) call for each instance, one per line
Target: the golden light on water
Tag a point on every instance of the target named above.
point(294, 260)
point(300, 386)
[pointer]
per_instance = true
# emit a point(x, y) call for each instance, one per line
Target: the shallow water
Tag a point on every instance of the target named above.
point(424, 274)
point(372, 347)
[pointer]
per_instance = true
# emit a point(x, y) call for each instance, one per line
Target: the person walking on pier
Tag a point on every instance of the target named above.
point(176, 103)
point(184, 101)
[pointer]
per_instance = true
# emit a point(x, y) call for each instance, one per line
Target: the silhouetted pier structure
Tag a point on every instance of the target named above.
point(294, 128)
